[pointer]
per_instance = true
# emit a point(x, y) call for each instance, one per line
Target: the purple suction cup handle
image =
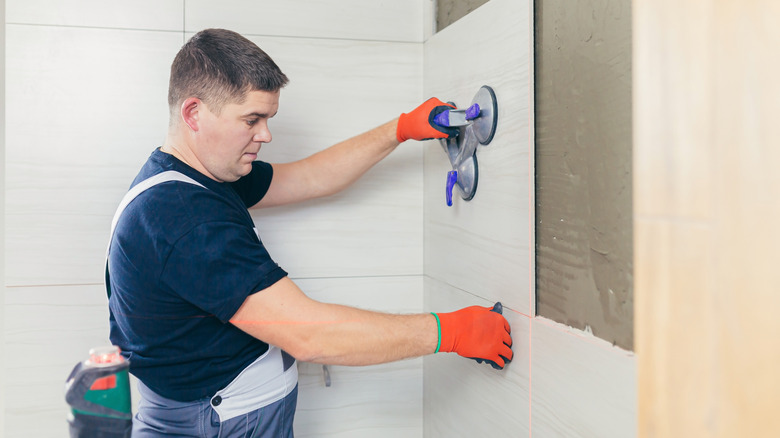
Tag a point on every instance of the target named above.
point(457, 117)
point(472, 112)
point(452, 178)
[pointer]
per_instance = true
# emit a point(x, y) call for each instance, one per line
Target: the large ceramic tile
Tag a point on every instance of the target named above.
point(85, 107)
point(485, 245)
point(464, 398)
point(139, 14)
point(48, 330)
point(581, 386)
point(339, 89)
point(400, 20)
point(377, 401)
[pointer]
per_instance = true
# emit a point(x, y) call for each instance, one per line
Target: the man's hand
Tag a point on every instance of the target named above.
point(477, 333)
point(419, 124)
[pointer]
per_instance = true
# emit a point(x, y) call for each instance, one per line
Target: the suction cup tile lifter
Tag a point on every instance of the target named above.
point(477, 125)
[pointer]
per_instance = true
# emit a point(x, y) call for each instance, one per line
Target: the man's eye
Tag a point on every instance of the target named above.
point(252, 122)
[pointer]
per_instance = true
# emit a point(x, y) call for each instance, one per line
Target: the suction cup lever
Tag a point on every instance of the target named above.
point(476, 126)
point(457, 117)
point(452, 178)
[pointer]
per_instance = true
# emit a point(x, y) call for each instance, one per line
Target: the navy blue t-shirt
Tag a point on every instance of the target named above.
point(182, 261)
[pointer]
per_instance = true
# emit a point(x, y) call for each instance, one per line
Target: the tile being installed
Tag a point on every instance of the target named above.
point(484, 245)
point(581, 386)
point(109, 88)
point(464, 398)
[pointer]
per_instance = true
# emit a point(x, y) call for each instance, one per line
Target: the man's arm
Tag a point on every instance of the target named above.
point(317, 332)
point(329, 171)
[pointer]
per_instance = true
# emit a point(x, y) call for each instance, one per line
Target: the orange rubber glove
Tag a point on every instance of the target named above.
point(477, 333)
point(419, 124)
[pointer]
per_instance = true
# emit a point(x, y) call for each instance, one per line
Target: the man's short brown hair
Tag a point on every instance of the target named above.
point(220, 66)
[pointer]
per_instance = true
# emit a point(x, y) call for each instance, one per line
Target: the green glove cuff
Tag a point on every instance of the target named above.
point(438, 326)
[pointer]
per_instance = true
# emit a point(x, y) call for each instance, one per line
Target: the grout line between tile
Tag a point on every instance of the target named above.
point(73, 26)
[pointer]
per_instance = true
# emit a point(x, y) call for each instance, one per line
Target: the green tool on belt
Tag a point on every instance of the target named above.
point(98, 392)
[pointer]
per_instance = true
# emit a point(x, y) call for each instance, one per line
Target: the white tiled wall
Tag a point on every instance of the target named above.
point(2, 213)
point(398, 20)
point(338, 89)
point(138, 14)
point(48, 329)
point(86, 85)
point(562, 382)
point(85, 108)
point(86, 103)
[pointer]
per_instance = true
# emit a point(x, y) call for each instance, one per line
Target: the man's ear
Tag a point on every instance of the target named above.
point(190, 112)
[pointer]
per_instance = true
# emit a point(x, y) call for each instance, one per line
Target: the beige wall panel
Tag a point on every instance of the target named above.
point(674, 176)
point(747, 214)
point(708, 335)
point(674, 277)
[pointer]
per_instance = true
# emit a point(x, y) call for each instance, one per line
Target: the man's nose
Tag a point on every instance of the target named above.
point(263, 134)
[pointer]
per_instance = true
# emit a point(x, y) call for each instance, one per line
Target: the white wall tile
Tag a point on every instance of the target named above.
point(582, 386)
point(2, 216)
point(400, 20)
point(339, 89)
point(464, 398)
point(48, 330)
point(377, 401)
point(138, 14)
point(85, 108)
point(485, 245)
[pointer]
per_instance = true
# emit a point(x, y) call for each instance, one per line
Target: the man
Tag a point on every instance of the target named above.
point(210, 323)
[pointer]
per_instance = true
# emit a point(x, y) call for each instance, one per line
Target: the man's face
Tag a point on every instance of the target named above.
point(231, 141)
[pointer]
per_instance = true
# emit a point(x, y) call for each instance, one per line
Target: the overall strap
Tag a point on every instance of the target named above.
point(168, 175)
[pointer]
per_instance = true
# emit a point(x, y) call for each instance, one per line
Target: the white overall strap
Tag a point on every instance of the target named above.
point(168, 175)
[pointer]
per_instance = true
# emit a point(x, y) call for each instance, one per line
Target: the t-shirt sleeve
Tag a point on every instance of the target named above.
point(253, 187)
point(217, 265)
